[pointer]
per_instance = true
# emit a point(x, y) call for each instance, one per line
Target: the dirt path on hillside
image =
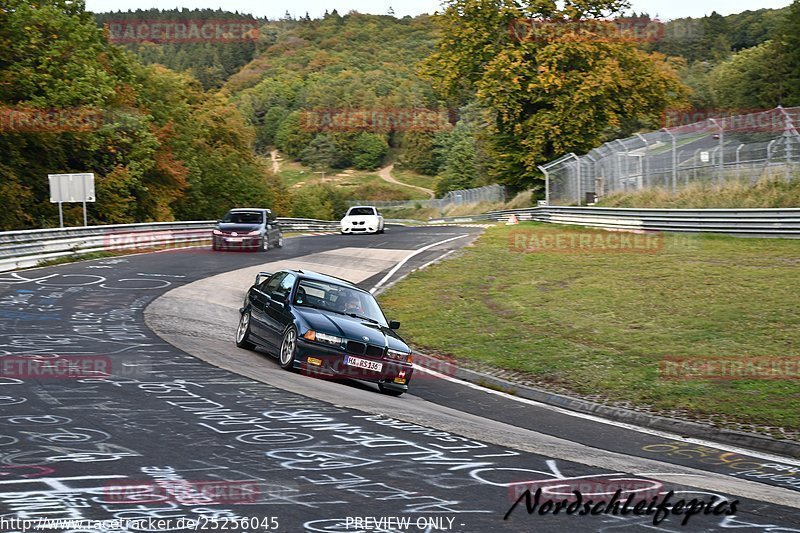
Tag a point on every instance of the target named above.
point(386, 175)
point(276, 162)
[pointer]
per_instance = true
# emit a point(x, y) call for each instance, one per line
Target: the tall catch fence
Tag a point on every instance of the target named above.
point(722, 147)
point(490, 193)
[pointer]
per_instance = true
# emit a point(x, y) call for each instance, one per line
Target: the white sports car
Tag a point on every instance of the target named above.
point(362, 219)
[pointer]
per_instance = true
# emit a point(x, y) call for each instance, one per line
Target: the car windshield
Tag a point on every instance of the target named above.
point(339, 299)
point(361, 211)
point(243, 217)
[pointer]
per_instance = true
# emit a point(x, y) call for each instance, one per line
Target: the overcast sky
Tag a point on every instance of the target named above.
point(664, 9)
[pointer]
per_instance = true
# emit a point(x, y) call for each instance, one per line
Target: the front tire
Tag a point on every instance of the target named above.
point(286, 356)
point(243, 332)
point(389, 391)
point(264, 244)
point(280, 242)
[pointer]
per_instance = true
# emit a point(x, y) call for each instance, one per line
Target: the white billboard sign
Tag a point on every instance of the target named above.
point(71, 188)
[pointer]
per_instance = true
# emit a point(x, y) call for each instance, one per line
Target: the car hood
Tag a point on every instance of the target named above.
point(359, 218)
point(351, 328)
point(238, 228)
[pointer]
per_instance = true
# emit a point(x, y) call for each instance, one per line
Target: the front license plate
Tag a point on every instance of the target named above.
point(363, 363)
point(233, 239)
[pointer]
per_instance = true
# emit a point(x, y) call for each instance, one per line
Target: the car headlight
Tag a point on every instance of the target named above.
point(217, 232)
point(397, 354)
point(254, 233)
point(324, 338)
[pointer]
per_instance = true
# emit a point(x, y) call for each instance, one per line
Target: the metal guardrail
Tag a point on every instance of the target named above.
point(742, 222)
point(28, 248)
point(23, 249)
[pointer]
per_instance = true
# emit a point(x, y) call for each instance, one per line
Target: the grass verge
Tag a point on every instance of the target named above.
point(75, 258)
point(767, 193)
point(413, 178)
point(357, 184)
point(598, 324)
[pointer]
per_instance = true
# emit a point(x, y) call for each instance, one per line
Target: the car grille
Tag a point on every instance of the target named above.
point(359, 348)
point(374, 351)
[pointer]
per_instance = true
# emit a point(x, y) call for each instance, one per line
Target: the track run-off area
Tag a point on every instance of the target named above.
point(174, 428)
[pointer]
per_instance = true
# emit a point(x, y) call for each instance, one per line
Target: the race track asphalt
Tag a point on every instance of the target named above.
point(167, 420)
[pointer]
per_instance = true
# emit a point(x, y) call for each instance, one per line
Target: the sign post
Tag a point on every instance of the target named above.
point(71, 188)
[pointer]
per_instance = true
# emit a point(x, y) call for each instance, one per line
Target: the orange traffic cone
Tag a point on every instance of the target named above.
point(512, 220)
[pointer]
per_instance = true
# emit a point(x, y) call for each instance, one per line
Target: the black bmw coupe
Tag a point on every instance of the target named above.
point(325, 327)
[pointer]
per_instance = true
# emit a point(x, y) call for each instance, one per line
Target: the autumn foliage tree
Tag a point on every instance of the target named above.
point(161, 147)
point(568, 87)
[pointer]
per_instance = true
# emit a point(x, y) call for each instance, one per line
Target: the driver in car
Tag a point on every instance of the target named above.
point(352, 304)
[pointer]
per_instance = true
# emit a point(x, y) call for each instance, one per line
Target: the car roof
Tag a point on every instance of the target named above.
point(238, 209)
point(316, 276)
point(358, 206)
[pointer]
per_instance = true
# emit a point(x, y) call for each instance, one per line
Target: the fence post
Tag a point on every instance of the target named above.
point(646, 166)
point(593, 173)
point(546, 184)
point(674, 161)
point(738, 148)
point(578, 175)
point(790, 131)
point(721, 150)
point(627, 155)
point(769, 158)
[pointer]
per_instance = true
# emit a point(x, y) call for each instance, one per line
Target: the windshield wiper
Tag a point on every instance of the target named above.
point(362, 317)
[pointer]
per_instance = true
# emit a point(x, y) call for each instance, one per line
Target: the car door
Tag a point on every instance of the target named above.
point(260, 303)
point(278, 314)
point(273, 231)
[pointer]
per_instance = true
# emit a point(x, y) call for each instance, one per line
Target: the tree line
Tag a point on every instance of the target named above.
point(160, 146)
point(180, 129)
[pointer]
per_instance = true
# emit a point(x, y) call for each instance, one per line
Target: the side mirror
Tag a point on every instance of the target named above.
point(394, 324)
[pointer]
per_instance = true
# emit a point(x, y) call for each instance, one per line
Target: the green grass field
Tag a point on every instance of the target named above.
point(358, 184)
point(599, 323)
point(413, 178)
